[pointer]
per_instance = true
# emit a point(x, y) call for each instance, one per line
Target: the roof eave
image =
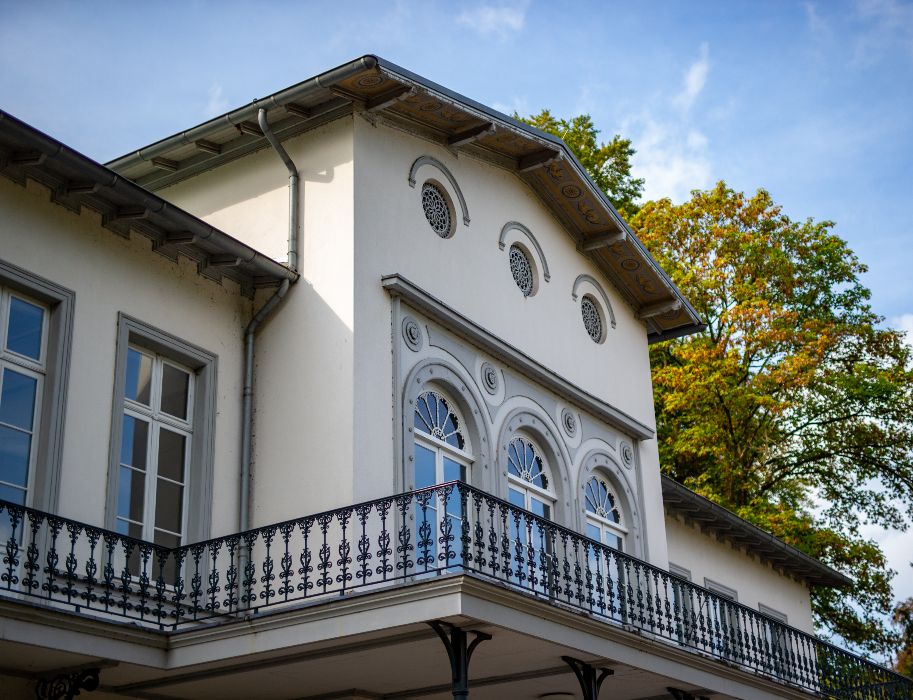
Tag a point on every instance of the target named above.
point(717, 518)
point(372, 84)
point(76, 181)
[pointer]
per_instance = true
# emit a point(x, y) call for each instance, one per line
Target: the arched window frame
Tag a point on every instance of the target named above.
point(451, 379)
point(606, 528)
point(537, 499)
point(528, 420)
point(453, 189)
point(602, 463)
point(430, 399)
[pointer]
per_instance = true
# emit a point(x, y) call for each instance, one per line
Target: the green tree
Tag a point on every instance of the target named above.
point(903, 620)
point(793, 408)
point(608, 163)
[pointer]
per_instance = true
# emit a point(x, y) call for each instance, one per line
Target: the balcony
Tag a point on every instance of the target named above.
point(450, 530)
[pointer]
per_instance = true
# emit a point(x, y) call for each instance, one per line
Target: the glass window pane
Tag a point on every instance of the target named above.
point(166, 539)
point(453, 471)
point(25, 328)
point(14, 456)
point(129, 529)
point(175, 390)
point(131, 494)
point(594, 532)
point(425, 472)
point(134, 441)
point(169, 505)
point(538, 507)
point(17, 402)
point(13, 495)
point(516, 498)
point(138, 383)
point(171, 455)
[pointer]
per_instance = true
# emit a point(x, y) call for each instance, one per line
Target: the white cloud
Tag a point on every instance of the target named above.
point(890, 22)
point(672, 160)
point(500, 20)
point(694, 80)
point(816, 23)
point(673, 155)
point(904, 323)
point(520, 105)
point(216, 104)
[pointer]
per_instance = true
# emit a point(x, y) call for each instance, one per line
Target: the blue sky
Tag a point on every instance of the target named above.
point(811, 100)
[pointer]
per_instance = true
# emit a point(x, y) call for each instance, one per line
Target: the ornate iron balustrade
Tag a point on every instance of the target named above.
point(450, 528)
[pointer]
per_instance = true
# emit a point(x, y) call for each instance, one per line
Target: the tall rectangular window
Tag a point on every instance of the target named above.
point(23, 368)
point(163, 432)
point(156, 441)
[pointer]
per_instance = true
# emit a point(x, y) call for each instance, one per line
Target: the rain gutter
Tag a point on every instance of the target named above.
point(247, 414)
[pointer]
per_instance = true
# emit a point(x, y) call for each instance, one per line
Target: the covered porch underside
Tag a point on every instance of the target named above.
point(375, 644)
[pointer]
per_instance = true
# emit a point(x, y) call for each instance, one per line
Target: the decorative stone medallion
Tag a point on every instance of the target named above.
point(412, 333)
point(569, 423)
point(369, 81)
point(627, 454)
point(490, 379)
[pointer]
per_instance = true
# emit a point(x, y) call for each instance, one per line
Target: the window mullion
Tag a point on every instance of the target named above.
point(185, 492)
point(4, 316)
point(151, 480)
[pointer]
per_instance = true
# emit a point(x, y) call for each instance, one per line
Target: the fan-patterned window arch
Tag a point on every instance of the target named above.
point(604, 518)
point(528, 481)
point(442, 451)
point(442, 454)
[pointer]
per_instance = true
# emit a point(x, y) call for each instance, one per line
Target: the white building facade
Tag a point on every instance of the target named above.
point(334, 443)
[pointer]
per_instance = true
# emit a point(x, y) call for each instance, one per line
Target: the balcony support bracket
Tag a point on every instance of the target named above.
point(590, 683)
point(68, 684)
point(679, 694)
point(459, 650)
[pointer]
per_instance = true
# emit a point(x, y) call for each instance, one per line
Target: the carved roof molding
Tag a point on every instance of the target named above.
point(435, 163)
point(382, 90)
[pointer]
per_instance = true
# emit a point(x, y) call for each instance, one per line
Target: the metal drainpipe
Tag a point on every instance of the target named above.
point(247, 418)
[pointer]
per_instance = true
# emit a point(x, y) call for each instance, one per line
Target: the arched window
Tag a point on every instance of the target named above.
point(442, 454)
point(441, 448)
point(527, 478)
point(604, 521)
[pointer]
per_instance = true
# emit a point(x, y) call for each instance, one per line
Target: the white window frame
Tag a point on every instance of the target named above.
point(605, 524)
point(53, 368)
point(442, 448)
point(157, 419)
point(527, 488)
point(775, 614)
point(203, 366)
point(729, 595)
point(28, 367)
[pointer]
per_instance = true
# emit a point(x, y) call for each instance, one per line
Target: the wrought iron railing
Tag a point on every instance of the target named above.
point(451, 528)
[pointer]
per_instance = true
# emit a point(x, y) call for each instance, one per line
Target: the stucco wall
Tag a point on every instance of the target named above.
point(755, 581)
point(108, 275)
point(471, 274)
point(326, 395)
point(304, 396)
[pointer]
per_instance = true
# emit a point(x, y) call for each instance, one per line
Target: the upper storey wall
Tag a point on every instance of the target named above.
point(471, 273)
point(110, 277)
point(714, 562)
point(303, 403)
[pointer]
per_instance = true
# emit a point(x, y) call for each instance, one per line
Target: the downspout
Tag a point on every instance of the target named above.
point(247, 417)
